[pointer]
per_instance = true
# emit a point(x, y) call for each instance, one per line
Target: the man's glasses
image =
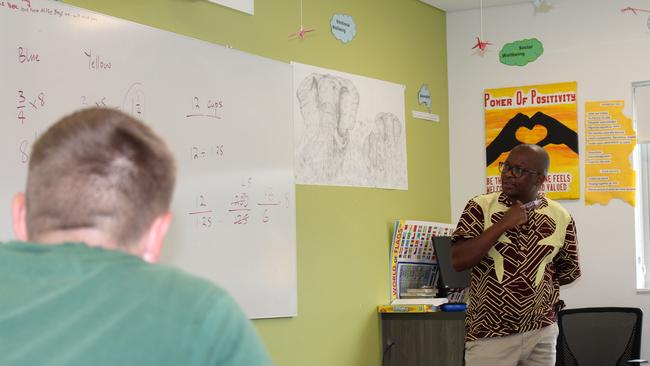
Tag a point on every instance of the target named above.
point(515, 170)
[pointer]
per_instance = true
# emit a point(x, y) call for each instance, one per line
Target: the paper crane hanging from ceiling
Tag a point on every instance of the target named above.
point(302, 31)
point(634, 10)
point(481, 44)
point(542, 6)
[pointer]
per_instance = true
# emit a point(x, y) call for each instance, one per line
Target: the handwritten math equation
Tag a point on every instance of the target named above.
point(216, 151)
point(205, 107)
point(246, 206)
point(28, 103)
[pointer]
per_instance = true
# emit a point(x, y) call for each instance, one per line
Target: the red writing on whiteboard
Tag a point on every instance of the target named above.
point(99, 102)
point(239, 202)
point(25, 55)
point(239, 208)
point(209, 109)
point(26, 7)
point(203, 213)
point(24, 149)
point(241, 219)
point(201, 152)
point(269, 198)
point(21, 106)
point(134, 100)
point(269, 201)
point(96, 62)
point(32, 103)
point(247, 183)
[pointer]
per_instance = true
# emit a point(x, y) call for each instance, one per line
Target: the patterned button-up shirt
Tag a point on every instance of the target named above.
point(515, 288)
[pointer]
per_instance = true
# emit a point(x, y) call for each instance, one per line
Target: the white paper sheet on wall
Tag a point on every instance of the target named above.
point(246, 6)
point(349, 129)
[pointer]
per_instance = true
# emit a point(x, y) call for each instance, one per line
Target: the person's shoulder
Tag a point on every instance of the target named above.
point(485, 198)
point(183, 295)
point(155, 282)
point(490, 195)
point(556, 206)
point(222, 333)
point(558, 211)
point(179, 280)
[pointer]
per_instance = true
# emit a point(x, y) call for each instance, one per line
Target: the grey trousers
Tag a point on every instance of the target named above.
point(534, 348)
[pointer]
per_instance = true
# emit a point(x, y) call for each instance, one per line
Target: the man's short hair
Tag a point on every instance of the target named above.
point(99, 169)
point(543, 160)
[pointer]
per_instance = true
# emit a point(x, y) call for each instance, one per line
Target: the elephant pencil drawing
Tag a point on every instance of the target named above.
point(328, 105)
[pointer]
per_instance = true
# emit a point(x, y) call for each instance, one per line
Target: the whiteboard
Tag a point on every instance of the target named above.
point(225, 113)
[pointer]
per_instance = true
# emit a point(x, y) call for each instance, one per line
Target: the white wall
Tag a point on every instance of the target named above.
point(604, 50)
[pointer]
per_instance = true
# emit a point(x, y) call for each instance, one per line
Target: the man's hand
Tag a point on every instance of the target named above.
point(467, 253)
point(514, 217)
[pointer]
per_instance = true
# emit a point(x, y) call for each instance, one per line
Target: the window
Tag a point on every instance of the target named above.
point(642, 214)
point(641, 117)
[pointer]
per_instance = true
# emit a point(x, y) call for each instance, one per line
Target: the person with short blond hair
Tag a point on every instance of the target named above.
point(80, 287)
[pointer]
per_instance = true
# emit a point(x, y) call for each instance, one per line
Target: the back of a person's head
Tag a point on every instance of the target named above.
point(98, 169)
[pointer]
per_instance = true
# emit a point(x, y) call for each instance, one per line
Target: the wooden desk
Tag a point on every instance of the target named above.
point(423, 339)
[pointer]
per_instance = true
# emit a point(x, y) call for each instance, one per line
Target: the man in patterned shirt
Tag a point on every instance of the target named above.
point(521, 248)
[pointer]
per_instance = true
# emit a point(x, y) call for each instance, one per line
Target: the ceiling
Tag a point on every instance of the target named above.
point(455, 5)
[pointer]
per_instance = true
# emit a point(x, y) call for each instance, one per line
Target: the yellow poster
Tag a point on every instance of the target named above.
point(610, 143)
point(546, 115)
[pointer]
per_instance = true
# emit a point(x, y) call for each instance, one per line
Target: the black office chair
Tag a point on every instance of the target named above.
point(599, 337)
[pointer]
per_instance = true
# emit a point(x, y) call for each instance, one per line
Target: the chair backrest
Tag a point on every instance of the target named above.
point(598, 336)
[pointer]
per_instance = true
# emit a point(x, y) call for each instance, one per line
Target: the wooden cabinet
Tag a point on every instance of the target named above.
point(423, 339)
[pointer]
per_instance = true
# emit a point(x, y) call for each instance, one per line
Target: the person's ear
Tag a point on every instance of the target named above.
point(19, 213)
point(541, 178)
point(152, 241)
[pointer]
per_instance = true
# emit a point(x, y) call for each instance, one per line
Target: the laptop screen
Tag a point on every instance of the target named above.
point(448, 276)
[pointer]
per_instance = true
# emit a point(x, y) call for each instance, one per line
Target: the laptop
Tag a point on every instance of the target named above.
point(448, 279)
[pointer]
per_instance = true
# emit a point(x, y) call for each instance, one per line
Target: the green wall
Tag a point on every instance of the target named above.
point(343, 234)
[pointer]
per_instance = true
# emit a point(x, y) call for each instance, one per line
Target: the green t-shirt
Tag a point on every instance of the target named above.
point(71, 304)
